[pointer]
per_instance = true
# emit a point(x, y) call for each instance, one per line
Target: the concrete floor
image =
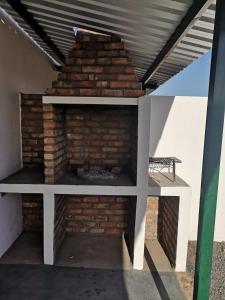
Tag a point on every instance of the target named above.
point(89, 251)
point(27, 249)
point(86, 251)
point(61, 283)
point(22, 278)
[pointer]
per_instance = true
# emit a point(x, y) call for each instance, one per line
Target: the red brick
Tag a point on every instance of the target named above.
point(104, 61)
point(133, 93)
point(84, 61)
point(86, 84)
point(120, 61)
point(102, 84)
point(111, 93)
point(113, 46)
point(119, 84)
point(127, 77)
point(90, 92)
point(78, 76)
point(130, 70)
point(92, 69)
point(113, 69)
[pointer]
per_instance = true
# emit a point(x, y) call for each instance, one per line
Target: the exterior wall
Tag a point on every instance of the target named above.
point(23, 69)
point(96, 214)
point(177, 128)
point(219, 234)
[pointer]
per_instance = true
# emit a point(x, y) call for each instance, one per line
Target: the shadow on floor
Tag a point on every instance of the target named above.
point(162, 280)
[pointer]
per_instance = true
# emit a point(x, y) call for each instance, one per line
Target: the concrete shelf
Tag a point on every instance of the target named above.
point(25, 176)
point(32, 181)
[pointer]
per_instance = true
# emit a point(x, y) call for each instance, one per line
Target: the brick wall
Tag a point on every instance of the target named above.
point(134, 143)
point(98, 136)
point(59, 221)
point(151, 231)
point(32, 130)
point(91, 136)
point(96, 214)
point(54, 142)
point(162, 223)
point(168, 223)
point(32, 212)
point(97, 66)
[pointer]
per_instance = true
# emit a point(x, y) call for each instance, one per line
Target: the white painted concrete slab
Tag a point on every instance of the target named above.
point(89, 100)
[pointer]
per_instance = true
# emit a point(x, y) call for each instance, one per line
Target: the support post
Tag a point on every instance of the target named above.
point(182, 228)
point(49, 216)
point(211, 159)
point(142, 180)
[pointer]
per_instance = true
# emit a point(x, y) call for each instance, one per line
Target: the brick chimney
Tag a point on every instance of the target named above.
point(97, 65)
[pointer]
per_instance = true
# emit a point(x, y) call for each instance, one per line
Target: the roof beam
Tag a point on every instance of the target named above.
point(28, 18)
point(194, 12)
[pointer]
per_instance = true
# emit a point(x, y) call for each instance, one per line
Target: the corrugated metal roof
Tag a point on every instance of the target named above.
point(144, 25)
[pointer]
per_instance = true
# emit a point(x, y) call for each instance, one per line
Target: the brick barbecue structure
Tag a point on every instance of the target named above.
point(68, 141)
point(58, 138)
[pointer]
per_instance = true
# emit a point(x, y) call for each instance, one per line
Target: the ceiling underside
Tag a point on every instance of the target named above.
point(144, 25)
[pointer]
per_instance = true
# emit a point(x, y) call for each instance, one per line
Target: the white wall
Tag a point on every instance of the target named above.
point(23, 68)
point(177, 128)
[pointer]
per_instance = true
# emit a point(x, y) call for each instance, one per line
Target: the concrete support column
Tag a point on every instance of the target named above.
point(142, 180)
point(183, 229)
point(49, 216)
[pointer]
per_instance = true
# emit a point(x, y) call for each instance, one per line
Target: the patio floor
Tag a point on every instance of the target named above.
point(45, 282)
point(22, 275)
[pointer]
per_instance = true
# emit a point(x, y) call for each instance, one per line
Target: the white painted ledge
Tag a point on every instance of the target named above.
point(68, 189)
point(89, 100)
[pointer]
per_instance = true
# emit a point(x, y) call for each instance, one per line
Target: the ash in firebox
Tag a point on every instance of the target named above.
point(97, 173)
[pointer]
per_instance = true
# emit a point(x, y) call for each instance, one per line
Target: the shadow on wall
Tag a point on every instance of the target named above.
point(157, 124)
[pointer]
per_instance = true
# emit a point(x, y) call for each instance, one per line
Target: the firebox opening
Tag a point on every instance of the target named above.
point(92, 231)
point(94, 144)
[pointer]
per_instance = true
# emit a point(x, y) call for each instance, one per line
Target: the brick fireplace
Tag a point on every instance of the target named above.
point(89, 143)
point(89, 140)
point(84, 132)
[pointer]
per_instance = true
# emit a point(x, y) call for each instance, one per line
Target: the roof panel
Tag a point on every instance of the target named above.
point(145, 26)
